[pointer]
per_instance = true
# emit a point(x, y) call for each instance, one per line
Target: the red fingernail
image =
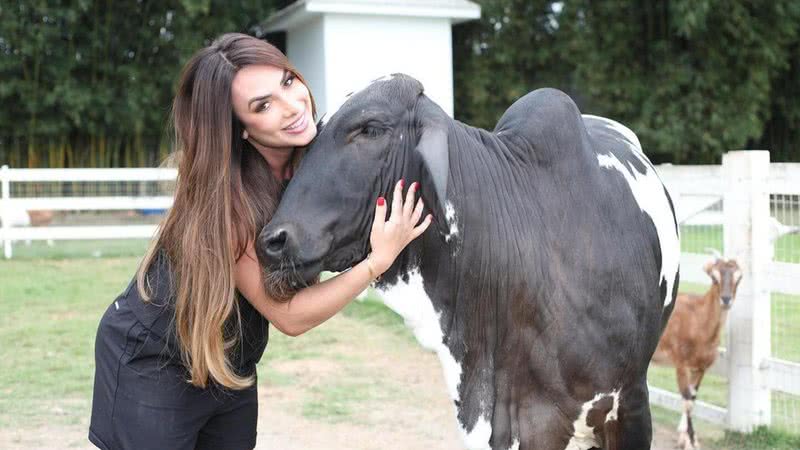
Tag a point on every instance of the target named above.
point(381, 201)
point(415, 186)
point(401, 183)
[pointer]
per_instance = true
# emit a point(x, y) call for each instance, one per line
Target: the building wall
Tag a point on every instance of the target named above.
point(305, 47)
point(360, 48)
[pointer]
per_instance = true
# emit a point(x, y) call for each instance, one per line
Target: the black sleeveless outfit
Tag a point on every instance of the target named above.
point(141, 399)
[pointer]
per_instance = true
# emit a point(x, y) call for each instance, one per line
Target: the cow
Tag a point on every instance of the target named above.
point(547, 275)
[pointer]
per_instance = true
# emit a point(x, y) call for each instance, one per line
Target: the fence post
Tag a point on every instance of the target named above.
point(746, 238)
point(5, 194)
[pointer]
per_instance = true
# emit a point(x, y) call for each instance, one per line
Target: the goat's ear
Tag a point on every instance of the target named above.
point(433, 146)
point(707, 267)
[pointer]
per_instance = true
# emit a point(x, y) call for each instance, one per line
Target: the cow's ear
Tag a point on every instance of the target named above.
point(433, 148)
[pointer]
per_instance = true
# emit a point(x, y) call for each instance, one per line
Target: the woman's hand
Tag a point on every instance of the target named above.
point(389, 238)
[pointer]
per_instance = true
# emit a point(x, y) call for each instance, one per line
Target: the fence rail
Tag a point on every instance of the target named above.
point(10, 206)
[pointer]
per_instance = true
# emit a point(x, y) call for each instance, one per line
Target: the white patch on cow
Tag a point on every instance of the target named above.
point(478, 437)
point(450, 217)
point(613, 414)
point(412, 303)
point(354, 89)
point(363, 86)
point(621, 129)
point(583, 437)
point(649, 192)
point(515, 445)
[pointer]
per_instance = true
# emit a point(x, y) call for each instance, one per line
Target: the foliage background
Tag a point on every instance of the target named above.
point(88, 83)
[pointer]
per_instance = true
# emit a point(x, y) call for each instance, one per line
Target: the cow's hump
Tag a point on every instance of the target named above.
point(548, 122)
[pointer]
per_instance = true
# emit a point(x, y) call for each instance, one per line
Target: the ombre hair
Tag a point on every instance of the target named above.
point(225, 194)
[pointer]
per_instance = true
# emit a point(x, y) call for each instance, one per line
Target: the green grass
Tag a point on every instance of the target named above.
point(108, 248)
point(371, 311)
point(785, 325)
point(713, 437)
point(49, 309)
point(761, 438)
point(697, 238)
point(341, 398)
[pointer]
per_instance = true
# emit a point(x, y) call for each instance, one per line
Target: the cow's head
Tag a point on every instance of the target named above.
point(387, 131)
point(726, 274)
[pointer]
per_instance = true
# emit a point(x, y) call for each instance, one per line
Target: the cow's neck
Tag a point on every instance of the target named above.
point(453, 285)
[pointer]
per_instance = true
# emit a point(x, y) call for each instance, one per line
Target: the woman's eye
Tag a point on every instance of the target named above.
point(289, 81)
point(262, 107)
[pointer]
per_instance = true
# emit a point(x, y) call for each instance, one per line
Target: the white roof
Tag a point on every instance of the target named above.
point(300, 11)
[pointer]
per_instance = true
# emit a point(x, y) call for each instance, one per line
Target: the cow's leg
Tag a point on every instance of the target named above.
point(611, 434)
point(685, 426)
point(542, 425)
point(635, 427)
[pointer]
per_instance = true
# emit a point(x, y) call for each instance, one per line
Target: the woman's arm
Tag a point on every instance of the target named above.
point(315, 304)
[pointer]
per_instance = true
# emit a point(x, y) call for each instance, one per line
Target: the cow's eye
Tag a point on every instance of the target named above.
point(371, 131)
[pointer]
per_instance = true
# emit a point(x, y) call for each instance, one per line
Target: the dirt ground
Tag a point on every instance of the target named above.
point(373, 389)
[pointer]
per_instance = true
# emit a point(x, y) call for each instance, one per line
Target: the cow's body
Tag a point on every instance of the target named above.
point(547, 280)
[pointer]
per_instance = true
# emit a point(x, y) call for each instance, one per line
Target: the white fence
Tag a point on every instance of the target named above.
point(750, 208)
point(11, 206)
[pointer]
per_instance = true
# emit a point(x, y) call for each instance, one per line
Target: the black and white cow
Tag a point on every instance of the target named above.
point(548, 274)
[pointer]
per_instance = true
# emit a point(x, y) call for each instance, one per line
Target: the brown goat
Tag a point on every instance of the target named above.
point(691, 337)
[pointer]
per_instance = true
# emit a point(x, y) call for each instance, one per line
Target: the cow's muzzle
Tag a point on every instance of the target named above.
point(285, 268)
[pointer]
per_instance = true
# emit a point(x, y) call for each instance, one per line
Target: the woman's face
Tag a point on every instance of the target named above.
point(274, 106)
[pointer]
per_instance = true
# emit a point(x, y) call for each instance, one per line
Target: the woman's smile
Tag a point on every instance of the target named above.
point(299, 125)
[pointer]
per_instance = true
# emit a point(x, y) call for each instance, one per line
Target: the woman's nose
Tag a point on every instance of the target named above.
point(293, 106)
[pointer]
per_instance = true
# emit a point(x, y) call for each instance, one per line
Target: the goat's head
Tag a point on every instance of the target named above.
point(726, 274)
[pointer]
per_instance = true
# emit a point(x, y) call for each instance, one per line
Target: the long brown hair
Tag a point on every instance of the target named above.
point(225, 194)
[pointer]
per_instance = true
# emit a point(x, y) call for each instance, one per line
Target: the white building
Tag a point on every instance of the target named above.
point(341, 45)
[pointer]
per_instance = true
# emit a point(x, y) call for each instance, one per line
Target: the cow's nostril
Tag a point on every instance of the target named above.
point(276, 242)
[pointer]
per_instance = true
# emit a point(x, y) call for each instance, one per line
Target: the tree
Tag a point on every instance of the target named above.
point(90, 83)
point(692, 78)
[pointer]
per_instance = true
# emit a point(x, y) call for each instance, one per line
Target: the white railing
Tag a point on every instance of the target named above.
point(9, 204)
point(743, 184)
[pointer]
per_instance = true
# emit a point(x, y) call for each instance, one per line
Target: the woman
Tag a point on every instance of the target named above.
point(176, 351)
